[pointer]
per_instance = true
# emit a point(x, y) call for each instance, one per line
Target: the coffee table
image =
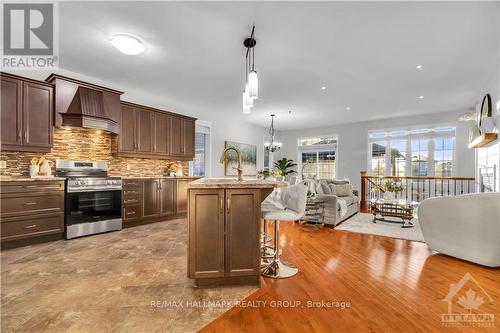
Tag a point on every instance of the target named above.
point(399, 208)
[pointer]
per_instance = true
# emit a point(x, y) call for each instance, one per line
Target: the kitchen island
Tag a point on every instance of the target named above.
point(224, 229)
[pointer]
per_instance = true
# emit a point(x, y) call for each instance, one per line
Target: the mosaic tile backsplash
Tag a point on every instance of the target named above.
point(86, 144)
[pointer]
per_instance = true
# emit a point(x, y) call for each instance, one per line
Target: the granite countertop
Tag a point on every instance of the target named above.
point(234, 183)
point(167, 177)
point(28, 179)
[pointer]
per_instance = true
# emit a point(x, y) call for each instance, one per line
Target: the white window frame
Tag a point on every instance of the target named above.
point(201, 126)
point(319, 149)
point(430, 135)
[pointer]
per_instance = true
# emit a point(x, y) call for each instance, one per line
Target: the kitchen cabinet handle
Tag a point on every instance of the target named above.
point(30, 226)
point(131, 213)
point(30, 203)
point(221, 206)
point(130, 200)
point(19, 134)
point(42, 187)
point(228, 205)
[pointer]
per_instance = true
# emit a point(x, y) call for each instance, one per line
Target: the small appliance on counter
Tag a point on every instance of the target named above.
point(93, 199)
point(41, 168)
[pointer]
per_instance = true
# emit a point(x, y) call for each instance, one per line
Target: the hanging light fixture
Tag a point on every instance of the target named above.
point(251, 90)
point(272, 145)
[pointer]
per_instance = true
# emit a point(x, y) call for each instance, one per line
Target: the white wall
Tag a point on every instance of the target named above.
point(352, 152)
point(223, 128)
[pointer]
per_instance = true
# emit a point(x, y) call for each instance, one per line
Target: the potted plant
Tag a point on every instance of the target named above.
point(389, 189)
point(263, 174)
point(284, 167)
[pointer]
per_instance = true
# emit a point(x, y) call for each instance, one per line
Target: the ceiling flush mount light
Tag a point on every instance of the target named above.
point(251, 90)
point(128, 44)
point(419, 67)
point(421, 97)
point(323, 88)
point(272, 145)
point(348, 108)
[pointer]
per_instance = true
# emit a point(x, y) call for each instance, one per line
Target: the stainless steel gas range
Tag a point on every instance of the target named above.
point(93, 199)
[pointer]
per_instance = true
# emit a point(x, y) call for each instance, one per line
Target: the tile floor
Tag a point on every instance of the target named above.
point(107, 283)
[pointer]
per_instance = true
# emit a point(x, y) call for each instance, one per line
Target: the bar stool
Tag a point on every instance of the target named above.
point(290, 206)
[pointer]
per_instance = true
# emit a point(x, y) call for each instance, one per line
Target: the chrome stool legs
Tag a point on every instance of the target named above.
point(277, 268)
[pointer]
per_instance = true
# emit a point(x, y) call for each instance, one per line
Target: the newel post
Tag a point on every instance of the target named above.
point(362, 204)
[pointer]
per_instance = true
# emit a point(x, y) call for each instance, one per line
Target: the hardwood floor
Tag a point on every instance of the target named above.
point(392, 286)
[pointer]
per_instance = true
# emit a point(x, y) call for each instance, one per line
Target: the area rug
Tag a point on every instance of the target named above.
point(363, 223)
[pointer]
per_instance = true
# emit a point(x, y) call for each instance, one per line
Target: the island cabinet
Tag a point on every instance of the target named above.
point(27, 114)
point(150, 199)
point(223, 232)
point(150, 133)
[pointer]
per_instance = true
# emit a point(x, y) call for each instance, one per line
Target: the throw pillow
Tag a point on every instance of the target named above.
point(339, 181)
point(323, 188)
point(343, 190)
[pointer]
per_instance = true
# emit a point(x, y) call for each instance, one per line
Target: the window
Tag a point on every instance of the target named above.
point(419, 157)
point(443, 156)
point(378, 158)
point(200, 165)
point(317, 157)
point(412, 152)
point(398, 158)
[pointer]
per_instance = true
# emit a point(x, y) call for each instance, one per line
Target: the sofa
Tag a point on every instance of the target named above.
point(342, 201)
point(463, 226)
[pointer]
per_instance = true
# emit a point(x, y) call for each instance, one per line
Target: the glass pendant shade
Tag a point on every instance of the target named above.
point(253, 85)
point(247, 101)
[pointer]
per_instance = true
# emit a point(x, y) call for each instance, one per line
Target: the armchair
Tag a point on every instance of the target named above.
point(464, 226)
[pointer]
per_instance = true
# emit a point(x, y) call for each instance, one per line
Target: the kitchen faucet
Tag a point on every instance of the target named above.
point(238, 153)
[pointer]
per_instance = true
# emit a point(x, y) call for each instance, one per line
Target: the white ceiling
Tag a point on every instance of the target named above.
point(364, 53)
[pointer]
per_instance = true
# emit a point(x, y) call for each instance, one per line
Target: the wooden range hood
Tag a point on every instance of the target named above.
point(83, 104)
point(87, 110)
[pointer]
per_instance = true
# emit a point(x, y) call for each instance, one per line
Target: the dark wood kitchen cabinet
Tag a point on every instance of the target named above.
point(168, 197)
point(182, 137)
point(161, 134)
point(151, 199)
point(182, 197)
point(151, 133)
point(145, 126)
point(27, 114)
point(206, 234)
point(223, 232)
point(30, 209)
point(127, 135)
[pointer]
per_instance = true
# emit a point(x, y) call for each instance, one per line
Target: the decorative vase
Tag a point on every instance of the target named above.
point(280, 178)
point(179, 173)
point(389, 195)
point(172, 174)
point(34, 170)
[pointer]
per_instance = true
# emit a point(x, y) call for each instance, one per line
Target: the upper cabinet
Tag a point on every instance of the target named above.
point(27, 114)
point(147, 132)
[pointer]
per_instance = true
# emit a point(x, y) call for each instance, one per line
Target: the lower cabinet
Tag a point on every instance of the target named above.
point(223, 232)
point(147, 199)
point(29, 209)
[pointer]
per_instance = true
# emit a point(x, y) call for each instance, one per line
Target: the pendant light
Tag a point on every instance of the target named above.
point(272, 145)
point(250, 93)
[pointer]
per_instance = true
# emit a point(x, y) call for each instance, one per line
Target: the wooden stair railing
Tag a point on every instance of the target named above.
point(417, 188)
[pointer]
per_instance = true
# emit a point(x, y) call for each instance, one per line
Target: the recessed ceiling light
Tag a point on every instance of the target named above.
point(419, 66)
point(348, 108)
point(323, 88)
point(128, 44)
point(421, 97)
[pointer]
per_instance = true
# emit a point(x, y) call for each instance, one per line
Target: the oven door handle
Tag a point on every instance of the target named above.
point(90, 189)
